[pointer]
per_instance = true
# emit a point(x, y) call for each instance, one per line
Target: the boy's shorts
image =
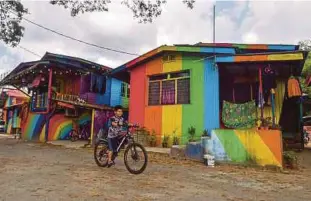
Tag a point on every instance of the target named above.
point(112, 144)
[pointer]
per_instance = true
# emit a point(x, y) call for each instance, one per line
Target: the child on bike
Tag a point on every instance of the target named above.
point(115, 128)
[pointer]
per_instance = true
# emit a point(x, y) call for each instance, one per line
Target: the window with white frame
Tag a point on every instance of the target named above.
point(169, 89)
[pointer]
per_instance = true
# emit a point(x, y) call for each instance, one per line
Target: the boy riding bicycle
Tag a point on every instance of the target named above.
point(115, 129)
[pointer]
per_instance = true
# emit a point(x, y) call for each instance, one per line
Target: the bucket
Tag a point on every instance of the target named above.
point(209, 160)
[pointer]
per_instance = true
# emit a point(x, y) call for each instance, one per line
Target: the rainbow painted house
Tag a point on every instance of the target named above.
point(229, 90)
point(13, 108)
point(65, 91)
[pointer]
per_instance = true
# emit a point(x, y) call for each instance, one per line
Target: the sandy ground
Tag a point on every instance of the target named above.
point(31, 172)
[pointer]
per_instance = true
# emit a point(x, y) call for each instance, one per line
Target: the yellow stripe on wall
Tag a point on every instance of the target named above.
point(172, 120)
point(172, 66)
point(282, 57)
point(257, 148)
point(42, 134)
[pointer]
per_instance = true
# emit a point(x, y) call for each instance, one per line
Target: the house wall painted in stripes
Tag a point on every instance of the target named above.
point(177, 87)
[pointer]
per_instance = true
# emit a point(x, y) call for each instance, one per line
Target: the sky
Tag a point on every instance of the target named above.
point(277, 22)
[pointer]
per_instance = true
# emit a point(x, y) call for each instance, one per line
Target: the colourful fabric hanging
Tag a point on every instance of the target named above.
point(101, 84)
point(93, 82)
point(239, 115)
point(293, 88)
point(36, 81)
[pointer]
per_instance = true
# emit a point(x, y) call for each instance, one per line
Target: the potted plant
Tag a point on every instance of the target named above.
point(204, 141)
point(153, 139)
point(175, 140)
point(193, 149)
point(191, 134)
point(165, 141)
point(205, 133)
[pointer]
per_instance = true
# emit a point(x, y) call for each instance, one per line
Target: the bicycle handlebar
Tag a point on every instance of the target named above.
point(126, 124)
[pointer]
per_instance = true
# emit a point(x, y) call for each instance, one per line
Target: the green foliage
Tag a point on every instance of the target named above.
point(205, 133)
point(143, 10)
point(191, 133)
point(165, 140)
point(307, 66)
point(305, 45)
point(175, 140)
point(153, 139)
point(290, 159)
point(11, 13)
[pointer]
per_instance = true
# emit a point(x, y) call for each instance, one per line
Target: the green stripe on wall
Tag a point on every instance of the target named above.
point(193, 114)
point(232, 145)
point(188, 49)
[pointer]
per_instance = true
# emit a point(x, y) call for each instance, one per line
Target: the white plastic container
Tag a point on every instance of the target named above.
point(209, 160)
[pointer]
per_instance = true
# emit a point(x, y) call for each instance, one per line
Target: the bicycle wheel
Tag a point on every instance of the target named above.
point(101, 154)
point(137, 153)
point(73, 135)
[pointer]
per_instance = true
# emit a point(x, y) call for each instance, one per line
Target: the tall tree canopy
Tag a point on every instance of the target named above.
point(306, 46)
point(12, 12)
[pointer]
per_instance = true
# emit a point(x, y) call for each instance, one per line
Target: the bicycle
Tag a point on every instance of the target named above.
point(131, 149)
point(83, 133)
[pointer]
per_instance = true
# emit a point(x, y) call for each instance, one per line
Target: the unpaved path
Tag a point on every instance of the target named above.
point(31, 172)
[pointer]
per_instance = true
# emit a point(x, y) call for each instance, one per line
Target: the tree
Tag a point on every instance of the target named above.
point(306, 46)
point(144, 10)
point(12, 12)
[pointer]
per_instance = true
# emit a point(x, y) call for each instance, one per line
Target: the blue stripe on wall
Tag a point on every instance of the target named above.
point(281, 47)
point(225, 59)
point(211, 95)
point(218, 50)
point(115, 98)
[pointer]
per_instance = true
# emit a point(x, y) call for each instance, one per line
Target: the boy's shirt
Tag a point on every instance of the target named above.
point(114, 131)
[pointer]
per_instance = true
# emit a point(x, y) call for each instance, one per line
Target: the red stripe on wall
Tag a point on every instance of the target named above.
point(137, 99)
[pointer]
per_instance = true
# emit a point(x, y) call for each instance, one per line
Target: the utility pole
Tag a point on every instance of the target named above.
point(214, 34)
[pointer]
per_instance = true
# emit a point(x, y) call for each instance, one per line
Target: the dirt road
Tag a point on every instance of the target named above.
point(31, 172)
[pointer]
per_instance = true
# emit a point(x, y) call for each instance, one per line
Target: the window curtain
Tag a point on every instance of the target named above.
point(168, 92)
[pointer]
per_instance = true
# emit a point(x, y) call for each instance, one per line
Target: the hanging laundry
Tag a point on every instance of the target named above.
point(268, 82)
point(93, 82)
point(239, 115)
point(100, 82)
point(36, 81)
point(293, 87)
point(261, 100)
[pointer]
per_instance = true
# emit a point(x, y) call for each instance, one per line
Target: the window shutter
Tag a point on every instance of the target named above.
point(183, 91)
point(154, 93)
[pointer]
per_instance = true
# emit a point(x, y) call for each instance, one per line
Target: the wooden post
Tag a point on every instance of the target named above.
point(261, 93)
point(92, 128)
point(50, 90)
point(273, 106)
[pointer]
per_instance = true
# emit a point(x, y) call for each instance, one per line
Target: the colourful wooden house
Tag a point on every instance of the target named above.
point(219, 88)
point(13, 107)
point(65, 91)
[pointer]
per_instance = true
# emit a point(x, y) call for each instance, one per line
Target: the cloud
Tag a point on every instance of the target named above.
point(277, 21)
point(236, 21)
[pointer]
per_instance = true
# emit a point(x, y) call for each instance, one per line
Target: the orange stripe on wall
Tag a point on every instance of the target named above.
point(257, 47)
point(251, 58)
point(153, 120)
point(142, 57)
point(273, 140)
point(154, 66)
